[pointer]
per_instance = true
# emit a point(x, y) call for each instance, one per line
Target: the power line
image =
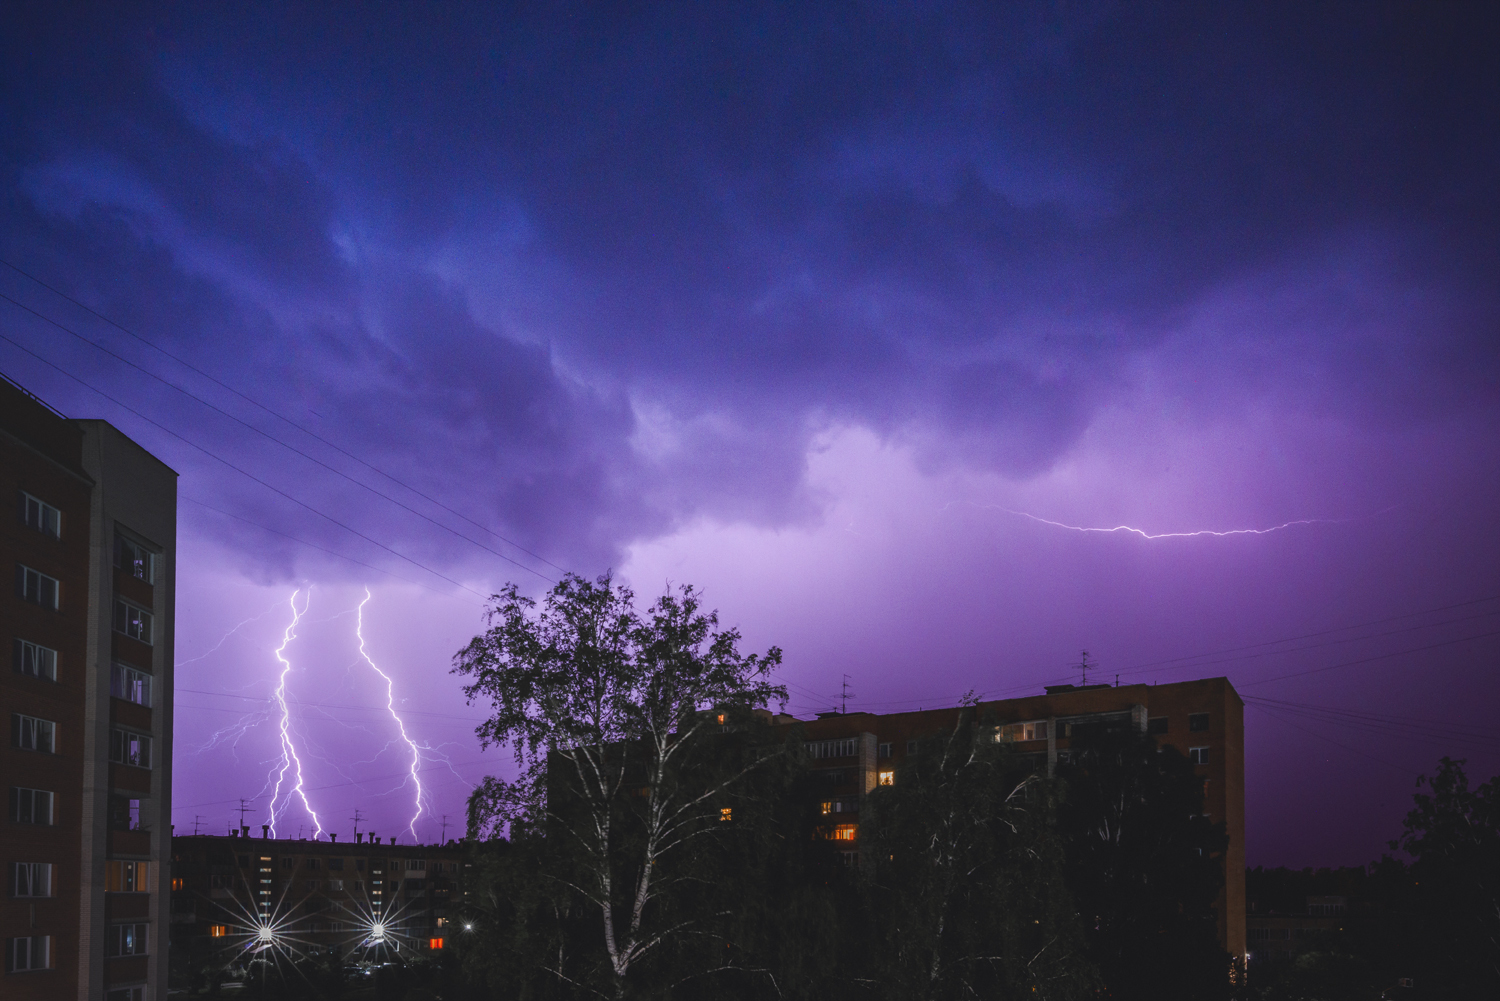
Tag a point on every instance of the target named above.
point(1366, 660)
point(270, 437)
point(231, 465)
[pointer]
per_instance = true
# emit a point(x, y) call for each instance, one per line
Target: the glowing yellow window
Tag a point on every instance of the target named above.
point(218, 931)
point(178, 882)
point(726, 813)
point(887, 778)
point(844, 832)
point(721, 719)
point(434, 943)
point(828, 806)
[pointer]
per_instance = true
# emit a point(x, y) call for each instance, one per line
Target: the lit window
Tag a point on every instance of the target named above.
point(725, 813)
point(37, 661)
point(127, 940)
point(1021, 731)
point(721, 719)
point(129, 684)
point(827, 806)
point(434, 943)
point(132, 621)
point(845, 832)
point(887, 778)
point(32, 734)
point(36, 587)
point(127, 877)
point(218, 931)
point(41, 516)
point(1198, 755)
point(178, 883)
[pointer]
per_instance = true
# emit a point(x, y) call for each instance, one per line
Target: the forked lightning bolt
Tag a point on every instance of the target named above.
point(1175, 535)
point(289, 759)
point(390, 705)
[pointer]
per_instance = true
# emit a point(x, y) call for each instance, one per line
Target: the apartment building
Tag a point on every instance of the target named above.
point(1202, 719)
point(87, 705)
point(358, 901)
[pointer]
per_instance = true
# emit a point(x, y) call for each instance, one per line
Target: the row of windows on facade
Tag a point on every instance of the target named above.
point(37, 661)
point(126, 747)
point(130, 556)
point(45, 590)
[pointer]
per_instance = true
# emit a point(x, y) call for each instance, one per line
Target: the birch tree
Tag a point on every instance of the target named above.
point(632, 733)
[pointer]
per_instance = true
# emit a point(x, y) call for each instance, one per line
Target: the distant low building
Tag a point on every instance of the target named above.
point(1204, 719)
point(236, 896)
point(1274, 935)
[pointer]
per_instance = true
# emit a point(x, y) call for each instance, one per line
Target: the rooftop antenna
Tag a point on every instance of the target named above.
point(196, 820)
point(1083, 665)
point(443, 835)
point(356, 818)
point(244, 809)
point(844, 698)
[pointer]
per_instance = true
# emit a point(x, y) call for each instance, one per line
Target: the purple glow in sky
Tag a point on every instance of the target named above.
point(937, 346)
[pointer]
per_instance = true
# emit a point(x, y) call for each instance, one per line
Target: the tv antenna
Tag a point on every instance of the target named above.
point(443, 836)
point(844, 697)
point(196, 820)
point(356, 818)
point(1084, 665)
point(244, 809)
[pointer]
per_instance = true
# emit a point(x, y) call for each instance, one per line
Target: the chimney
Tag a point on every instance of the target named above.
point(332, 836)
point(265, 832)
point(245, 831)
point(359, 839)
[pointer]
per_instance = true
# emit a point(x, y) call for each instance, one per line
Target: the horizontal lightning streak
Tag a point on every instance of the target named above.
point(1174, 535)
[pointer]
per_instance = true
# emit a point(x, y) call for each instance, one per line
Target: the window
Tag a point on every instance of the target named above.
point(127, 940)
point(30, 806)
point(129, 684)
point(218, 931)
point(434, 943)
point(1198, 722)
point(839, 806)
point(1156, 724)
point(887, 778)
point(36, 587)
point(416, 865)
point(336, 864)
point(312, 884)
point(135, 559)
point(127, 877)
point(32, 734)
point(136, 993)
point(359, 865)
point(124, 814)
point(1022, 731)
point(726, 814)
point(845, 832)
point(130, 748)
point(1198, 755)
point(31, 953)
point(885, 749)
point(132, 621)
point(243, 860)
point(31, 879)
point(336, 884)
point(40, 515)
point(37, 661)
point(911, 747)
point(844, 748)
point(315, 863)
point(287, 863)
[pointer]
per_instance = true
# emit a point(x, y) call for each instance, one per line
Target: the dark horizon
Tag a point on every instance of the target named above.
point(936, 347)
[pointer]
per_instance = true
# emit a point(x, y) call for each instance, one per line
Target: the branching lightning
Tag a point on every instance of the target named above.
point(390, 704)
point(289, 759)
point(1175, 535)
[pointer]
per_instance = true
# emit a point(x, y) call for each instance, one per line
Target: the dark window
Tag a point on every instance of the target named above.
point(32, 734)
point(287, 863)
point(37, 661)
point(314, 863)
point(30, 806)
point(135, 559)
point(36, 587)
point(130, 748)
point(1198, 755)
point(40, 515)
point(911, 747)
point(885, 750)
point(243, 860)
point(132, 621)
point(1156, 724)
point(336, 864)
point(1198, 722)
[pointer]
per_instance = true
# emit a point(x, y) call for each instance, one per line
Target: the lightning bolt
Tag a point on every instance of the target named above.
point(390, 705)
point(289, 758)
point(1176, 535)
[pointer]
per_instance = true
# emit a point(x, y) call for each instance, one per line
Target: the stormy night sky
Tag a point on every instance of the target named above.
point(852, 314)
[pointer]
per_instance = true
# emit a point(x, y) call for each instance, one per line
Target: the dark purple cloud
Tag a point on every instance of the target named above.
point(800, 302)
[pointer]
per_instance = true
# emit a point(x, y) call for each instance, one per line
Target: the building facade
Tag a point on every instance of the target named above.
point(1202, 719)
point(234, 897)
point(87, 705)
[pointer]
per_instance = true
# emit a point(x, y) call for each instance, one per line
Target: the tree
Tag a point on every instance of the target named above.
point(1141, 867)
point(1453, 836)
point(632, 732)
point(968, 891)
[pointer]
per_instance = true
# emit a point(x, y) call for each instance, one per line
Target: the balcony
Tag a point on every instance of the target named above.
point(129, 843)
